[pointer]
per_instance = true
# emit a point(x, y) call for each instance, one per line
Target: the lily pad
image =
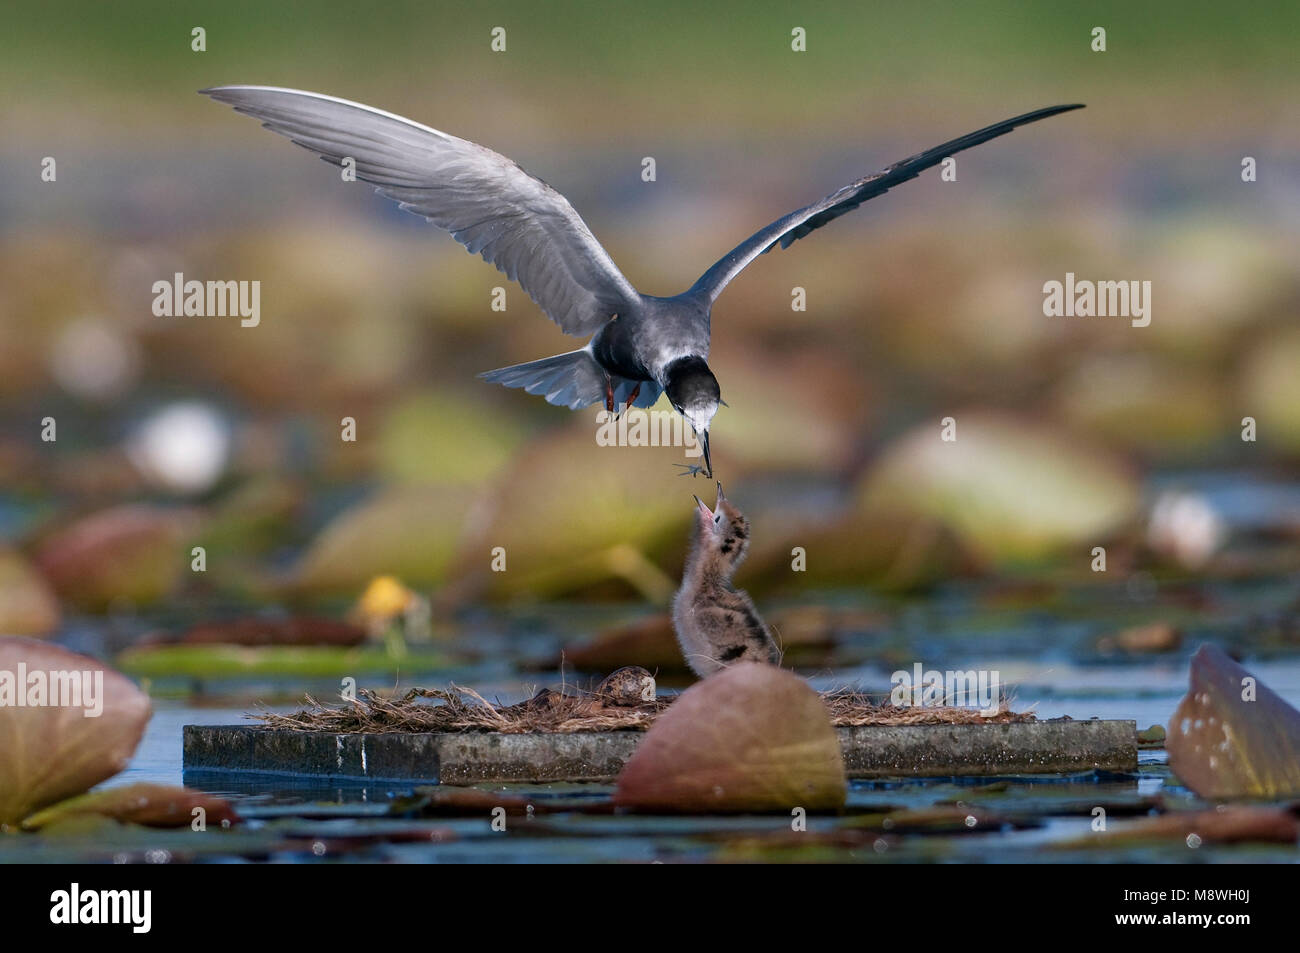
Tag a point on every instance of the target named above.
point(27, 605)
point(1271, 389)
point(301, 661)
point(129, 554)
point(410, 533)
point(1012, 489)
point(751, 738)
point(570, 515)
point(1233, 736)
point(649, 642)
point(447, 800)
point(153, 805)
point(875, 545)
point(1146, 639)
point(1230, 825)
point(1152, 737)
point(52, 752)
point(1143, 405)
point(255, 518)
point(804, 632)
point(769, 429)
point(442, 437)
point(295, 630)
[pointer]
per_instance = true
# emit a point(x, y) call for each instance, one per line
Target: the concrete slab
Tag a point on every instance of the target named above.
point(871, 751)
point(1031, 747)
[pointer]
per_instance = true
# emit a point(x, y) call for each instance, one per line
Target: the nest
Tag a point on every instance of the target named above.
point(849, 709)
point(462, 709)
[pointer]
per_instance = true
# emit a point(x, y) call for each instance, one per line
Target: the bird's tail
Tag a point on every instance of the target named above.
point(570, 380)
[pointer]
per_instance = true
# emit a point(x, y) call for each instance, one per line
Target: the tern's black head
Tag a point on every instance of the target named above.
point(694, 393)
point(690, 384)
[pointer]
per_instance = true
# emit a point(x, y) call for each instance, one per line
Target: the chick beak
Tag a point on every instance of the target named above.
point(705, 514)
point(721, 498)
point(708, 463)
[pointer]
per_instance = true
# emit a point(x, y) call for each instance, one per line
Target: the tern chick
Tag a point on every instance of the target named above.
point(716, 623)
point(638, 346)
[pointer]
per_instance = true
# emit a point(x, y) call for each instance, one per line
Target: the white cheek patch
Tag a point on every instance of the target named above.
point(698, 421)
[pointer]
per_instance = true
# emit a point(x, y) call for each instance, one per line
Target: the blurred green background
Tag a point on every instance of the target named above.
point(924, 304)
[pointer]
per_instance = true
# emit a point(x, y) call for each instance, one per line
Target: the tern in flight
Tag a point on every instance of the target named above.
point(638, 346)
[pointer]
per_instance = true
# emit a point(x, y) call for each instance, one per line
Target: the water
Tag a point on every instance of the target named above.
point(1146, 692)
point(1036, 818)
point(1044, 647)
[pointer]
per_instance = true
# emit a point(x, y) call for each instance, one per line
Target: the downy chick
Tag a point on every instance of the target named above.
point(717, 624)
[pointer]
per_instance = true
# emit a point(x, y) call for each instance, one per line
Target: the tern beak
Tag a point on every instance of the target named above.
point(708, 463)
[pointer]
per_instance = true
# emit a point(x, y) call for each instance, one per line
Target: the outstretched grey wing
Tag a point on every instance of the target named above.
point(488, 203)
point(796, 225)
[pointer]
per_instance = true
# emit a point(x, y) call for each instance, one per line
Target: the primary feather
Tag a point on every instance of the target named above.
point(488, 203)
point(790, 228)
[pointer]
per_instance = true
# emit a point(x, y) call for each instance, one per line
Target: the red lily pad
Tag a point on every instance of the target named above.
point(133, 554)
point(51, 752)
point(153, 805)
point(27, 604)
point(750, 738)
point(1228, 825)
point(1231, 735)
point(295, 630)
point(649, 642)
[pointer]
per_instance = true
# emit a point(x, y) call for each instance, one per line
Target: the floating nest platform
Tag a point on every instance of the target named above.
point(461, 709)
point(455, 736)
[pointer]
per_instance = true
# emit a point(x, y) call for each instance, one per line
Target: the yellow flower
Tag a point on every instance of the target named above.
point(385, 598)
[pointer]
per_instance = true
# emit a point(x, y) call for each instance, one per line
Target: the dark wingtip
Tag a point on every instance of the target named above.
point(221, 94)
point(1045, 112)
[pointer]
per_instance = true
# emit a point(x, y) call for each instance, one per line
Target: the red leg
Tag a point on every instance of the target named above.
point(609, 394)
point(632, 397)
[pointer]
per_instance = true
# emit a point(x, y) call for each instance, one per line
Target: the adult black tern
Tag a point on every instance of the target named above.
point(639, 345)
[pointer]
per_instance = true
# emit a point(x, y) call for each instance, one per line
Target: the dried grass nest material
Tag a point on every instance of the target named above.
point(463, 709)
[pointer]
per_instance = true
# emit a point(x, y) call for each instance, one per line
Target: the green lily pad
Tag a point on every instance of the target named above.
point(1271, 389)
point(232, 661)
point(1012, 490)
point(441, 437)
point(410, 533)
point(570, 515)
